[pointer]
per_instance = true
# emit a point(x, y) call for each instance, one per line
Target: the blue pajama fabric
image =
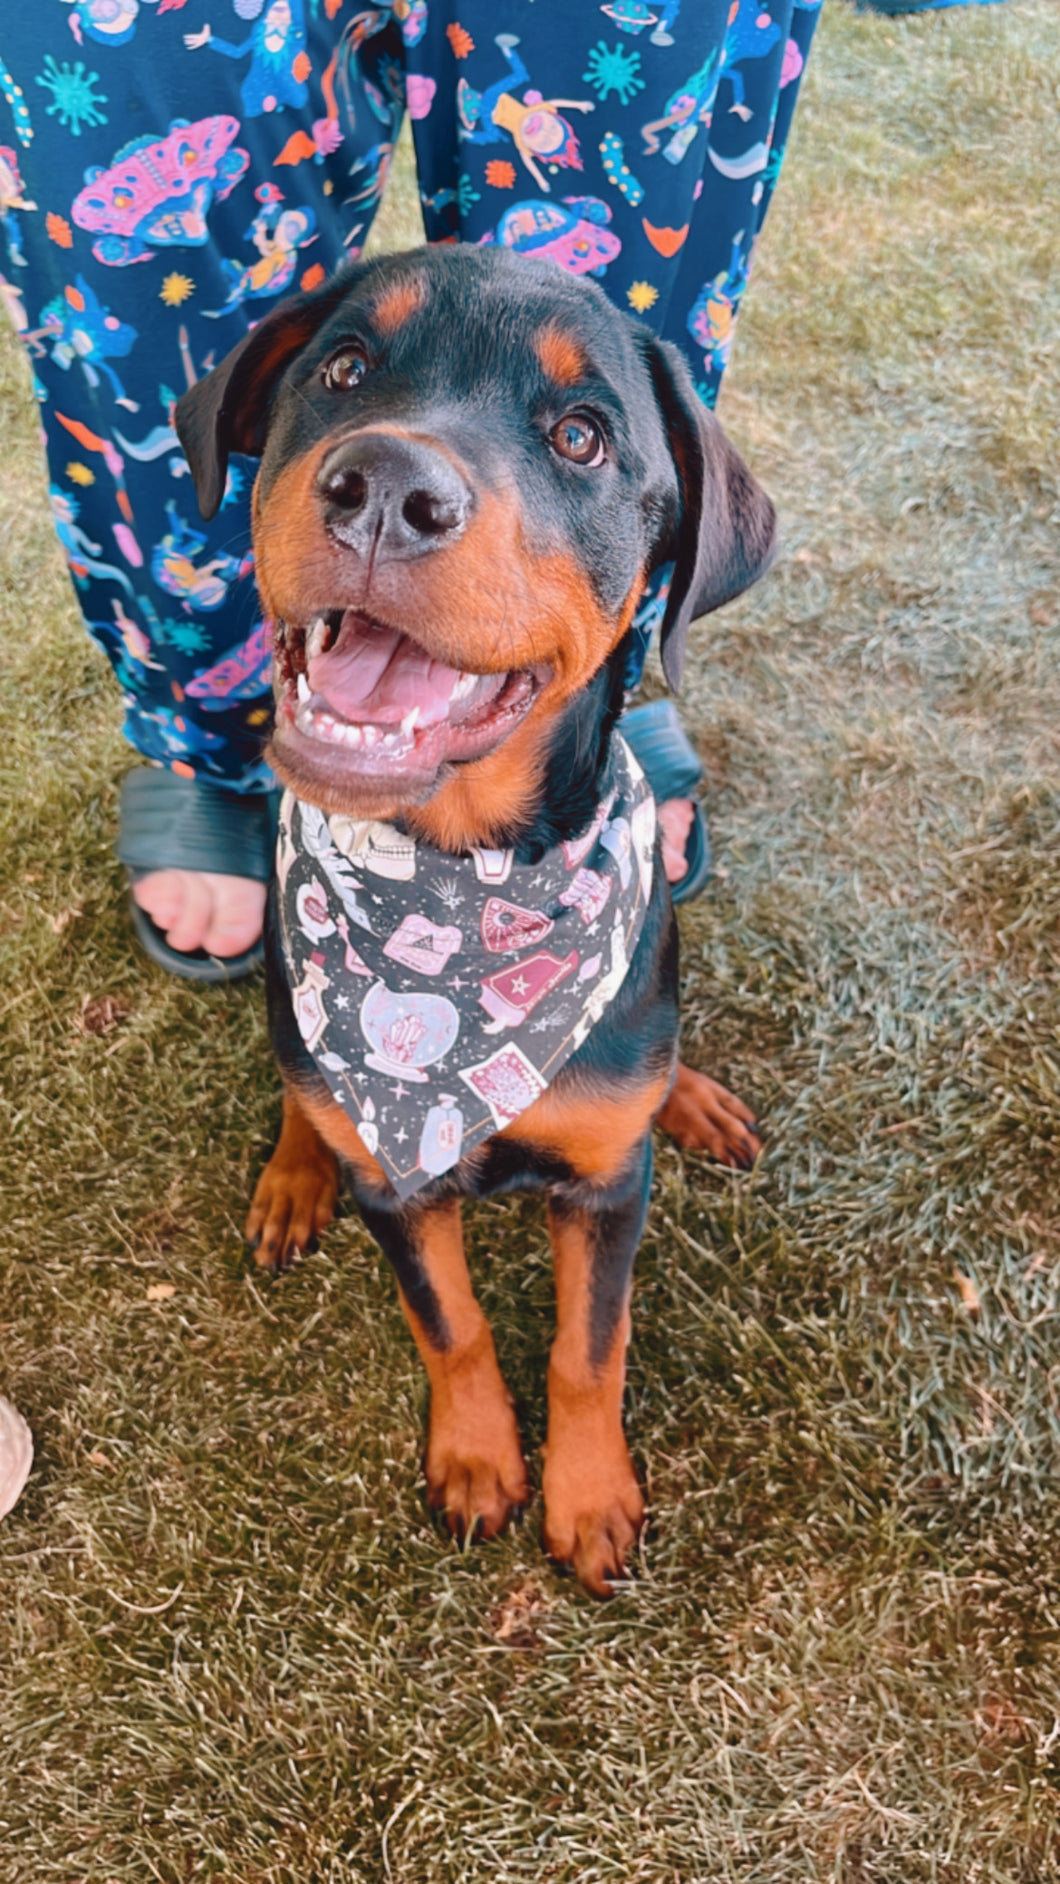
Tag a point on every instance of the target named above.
point(170, 168)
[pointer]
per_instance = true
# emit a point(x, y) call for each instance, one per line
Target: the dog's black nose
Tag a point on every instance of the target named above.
point(395, 496)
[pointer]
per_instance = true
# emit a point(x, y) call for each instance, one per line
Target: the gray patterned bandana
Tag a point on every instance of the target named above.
point(439, 995)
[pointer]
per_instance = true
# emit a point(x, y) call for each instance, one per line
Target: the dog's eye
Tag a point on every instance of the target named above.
point(345, 370)
point(578, 438)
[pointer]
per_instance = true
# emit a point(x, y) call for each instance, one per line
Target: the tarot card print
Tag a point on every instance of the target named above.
point(508, 926)
point(512, 994)
point(507, 1081)
point(421, 944)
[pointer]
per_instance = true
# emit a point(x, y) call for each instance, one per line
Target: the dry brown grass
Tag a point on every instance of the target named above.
point(232, 1644)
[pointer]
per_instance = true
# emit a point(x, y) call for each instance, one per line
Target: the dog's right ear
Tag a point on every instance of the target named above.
point(229, 409)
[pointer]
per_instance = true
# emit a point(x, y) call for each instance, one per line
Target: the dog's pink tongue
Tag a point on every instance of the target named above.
point(377, 675)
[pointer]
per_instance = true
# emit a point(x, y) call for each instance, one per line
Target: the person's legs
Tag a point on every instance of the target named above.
point(640, 146)
point(159, 198)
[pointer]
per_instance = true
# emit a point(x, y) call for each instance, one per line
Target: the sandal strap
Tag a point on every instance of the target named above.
point(174, 823)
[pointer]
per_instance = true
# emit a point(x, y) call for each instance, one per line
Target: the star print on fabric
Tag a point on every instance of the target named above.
point(342, 1001)
point(175, 290)
point(641, 296)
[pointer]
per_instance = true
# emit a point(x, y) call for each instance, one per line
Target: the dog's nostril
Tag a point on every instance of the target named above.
point(430, 514)
point(348, 488)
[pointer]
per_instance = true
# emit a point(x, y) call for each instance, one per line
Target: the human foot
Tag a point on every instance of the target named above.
point(199, 859)
point(203, 909)
point(675, 822)
point(673, 770)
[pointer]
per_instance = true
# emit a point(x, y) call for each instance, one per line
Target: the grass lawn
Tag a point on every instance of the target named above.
point(231, 1643)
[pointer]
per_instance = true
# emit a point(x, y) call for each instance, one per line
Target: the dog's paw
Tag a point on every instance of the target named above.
point(292, 1205)
point(700, 1115)
point(476, 1476)
point(594, 1513)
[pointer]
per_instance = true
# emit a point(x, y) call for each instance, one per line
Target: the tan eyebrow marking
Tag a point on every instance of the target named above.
point(398, 303)
point(560, 355)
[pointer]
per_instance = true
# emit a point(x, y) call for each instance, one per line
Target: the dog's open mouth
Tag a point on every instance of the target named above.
point(371, 704)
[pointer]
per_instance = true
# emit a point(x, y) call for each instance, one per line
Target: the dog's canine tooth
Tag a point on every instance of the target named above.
point(410, 720)
point(463, 686)
point(315, 637)
point(303, 688)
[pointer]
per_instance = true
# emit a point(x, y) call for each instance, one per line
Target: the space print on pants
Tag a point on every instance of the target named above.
point(169, 171)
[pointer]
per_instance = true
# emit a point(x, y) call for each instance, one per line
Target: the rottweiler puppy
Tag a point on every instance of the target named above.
point(471, 464)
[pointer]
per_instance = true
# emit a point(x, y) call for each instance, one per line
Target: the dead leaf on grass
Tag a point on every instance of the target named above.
point(64, 917)
point(100, 1458)
point(968, 1291)
point(513, 1621)
point(101, 1013)
point(161, 1291)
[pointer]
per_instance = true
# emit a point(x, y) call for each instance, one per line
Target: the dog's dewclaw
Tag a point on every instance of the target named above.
point(16, 1456)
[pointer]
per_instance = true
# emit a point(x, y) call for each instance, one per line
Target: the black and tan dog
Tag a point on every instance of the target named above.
point(472, 464)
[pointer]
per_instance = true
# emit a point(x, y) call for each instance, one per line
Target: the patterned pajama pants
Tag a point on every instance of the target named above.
point(170, 168)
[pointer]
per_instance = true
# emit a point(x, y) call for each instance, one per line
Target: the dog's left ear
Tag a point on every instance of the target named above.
point(727, 534)
point(228, 410)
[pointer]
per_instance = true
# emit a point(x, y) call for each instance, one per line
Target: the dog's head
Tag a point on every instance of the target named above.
point(470, 466)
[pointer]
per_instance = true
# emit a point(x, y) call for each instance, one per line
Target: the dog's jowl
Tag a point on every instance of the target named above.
point(471, 464)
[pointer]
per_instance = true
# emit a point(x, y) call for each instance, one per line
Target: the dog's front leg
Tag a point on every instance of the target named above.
point(294, 1200)
point(474, 1464)
point(593, 1505)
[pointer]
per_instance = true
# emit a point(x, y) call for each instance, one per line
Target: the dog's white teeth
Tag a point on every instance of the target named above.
point(370, 735)
point(352, 735)
point(410, 720)
point(463, 686)
point(303, 688)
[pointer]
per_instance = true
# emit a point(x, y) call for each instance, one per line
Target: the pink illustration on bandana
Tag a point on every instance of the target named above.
point(576, 851)
point(492, 866)
point(513, 993)
point(393, 1054)
point(352, 961)
point(314, 918)
point(509, 926)
point(421, 944)
point(407, 1032)
point(442, 1136)
point(309, 1010)
point(587, 894)
point(507, 1081)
